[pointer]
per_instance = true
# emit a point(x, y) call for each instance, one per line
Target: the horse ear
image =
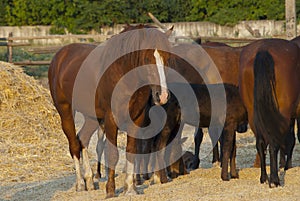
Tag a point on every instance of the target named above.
point(169, 31)
point(126, 25)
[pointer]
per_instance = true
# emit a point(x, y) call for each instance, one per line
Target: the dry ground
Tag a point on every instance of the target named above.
point(35, 163)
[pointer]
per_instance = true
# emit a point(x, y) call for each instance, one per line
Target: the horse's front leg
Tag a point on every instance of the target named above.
point(87, 130)
point(226, 146)
point(233, 170)
point(197, 140)
point(111, 153)
point(131, 150)
point(161, 150)
point(99, 149)
point(174, 151)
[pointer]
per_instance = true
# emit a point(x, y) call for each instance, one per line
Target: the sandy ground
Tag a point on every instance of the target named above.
point(201, 184)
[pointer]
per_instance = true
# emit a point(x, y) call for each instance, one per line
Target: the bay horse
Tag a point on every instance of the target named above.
point(225, 59)
point(290, 139)
point(236, 117)
point(84, 78)
point(269, 86)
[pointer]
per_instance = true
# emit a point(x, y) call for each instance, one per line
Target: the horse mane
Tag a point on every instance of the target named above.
point(127, 43)
point(129, 27)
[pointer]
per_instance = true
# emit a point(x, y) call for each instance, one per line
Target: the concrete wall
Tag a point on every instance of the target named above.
point(264, 28)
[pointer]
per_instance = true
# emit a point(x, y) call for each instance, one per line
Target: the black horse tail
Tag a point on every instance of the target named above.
point(268, 121)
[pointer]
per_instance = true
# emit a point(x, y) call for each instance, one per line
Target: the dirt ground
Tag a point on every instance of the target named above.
point(201, 184)
point(35, 162)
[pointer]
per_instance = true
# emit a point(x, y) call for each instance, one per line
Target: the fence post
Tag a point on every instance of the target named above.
point(291, 19)
point(9, 48)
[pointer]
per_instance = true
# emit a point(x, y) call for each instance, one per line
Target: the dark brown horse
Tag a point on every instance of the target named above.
point(87, 79)
point(269, 86)
point(226, 59)
point(236, 116)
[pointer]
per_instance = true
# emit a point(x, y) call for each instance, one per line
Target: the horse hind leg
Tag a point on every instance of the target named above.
point(298, 129)
point(274, 179)
point(68, 126)
point(286, 162)
point(111, 153)
point(261, 150)
point(289, 144)
point(85, 133)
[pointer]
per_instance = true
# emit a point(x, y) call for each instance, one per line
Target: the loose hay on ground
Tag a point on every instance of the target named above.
point(32, 144)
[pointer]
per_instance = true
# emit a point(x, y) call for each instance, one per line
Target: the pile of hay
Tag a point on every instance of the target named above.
point(32, 144)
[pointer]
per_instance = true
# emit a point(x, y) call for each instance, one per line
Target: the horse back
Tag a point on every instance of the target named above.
point(226, 59)
point(64, 68)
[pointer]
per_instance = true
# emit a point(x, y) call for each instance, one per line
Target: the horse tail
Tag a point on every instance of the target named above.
point(268, 121)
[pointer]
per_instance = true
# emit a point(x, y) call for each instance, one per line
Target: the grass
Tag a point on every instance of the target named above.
point(21, 54)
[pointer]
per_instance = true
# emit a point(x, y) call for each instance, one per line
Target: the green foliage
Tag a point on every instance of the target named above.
point(80, 16)
point(21, 54)
point(232, 11)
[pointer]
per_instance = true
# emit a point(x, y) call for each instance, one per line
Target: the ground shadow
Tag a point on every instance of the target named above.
point(43, 190)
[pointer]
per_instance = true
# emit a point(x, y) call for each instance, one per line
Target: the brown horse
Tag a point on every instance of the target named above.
point(297, 115)
point(225, 59)
point(88, 79)
point(269, 86)
point(290, 139)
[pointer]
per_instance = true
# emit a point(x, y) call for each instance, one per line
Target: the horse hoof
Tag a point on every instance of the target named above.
point(273, 185)
point(216, 164)
point(225, 178)
point(90, 184)
point(234, 176)
point(130, 192)
point(263, 180)
point(146, 177)
point(110, 195)
point(80, 186)
point(139, 182)
point(274, 182)
point(97, 176)
point(156, 179)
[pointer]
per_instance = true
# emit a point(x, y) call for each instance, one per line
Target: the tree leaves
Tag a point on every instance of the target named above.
point(80, 16)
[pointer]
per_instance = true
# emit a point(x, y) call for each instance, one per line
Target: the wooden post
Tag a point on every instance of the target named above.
point(157, 22)
point(9, 48)
point(291, 20)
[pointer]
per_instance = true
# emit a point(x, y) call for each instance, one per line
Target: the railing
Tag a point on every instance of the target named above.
point(11, 42)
